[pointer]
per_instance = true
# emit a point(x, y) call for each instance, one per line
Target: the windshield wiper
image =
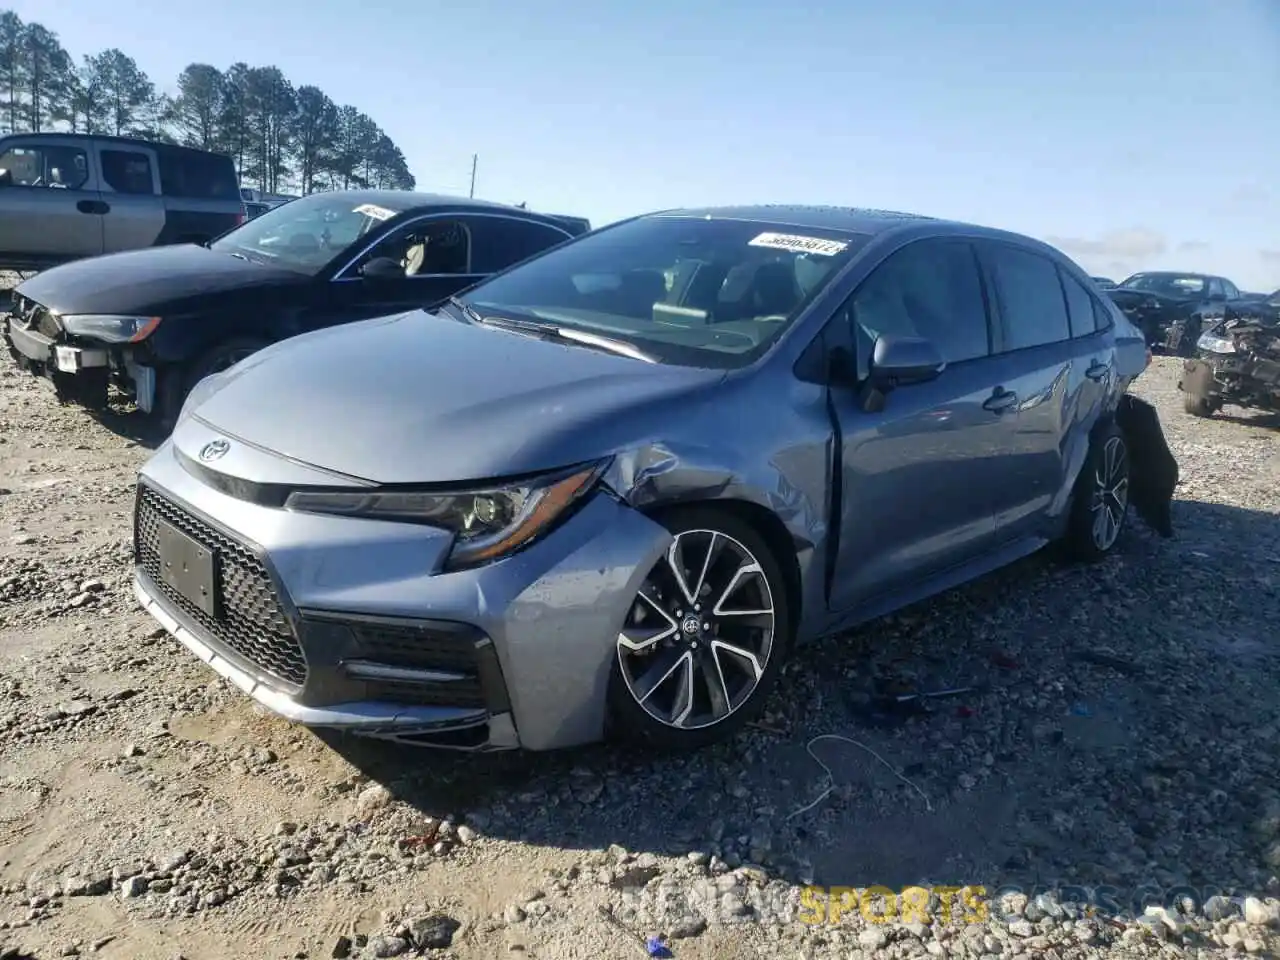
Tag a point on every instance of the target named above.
point(465, 309)
point(620, 347)
point(569, 335)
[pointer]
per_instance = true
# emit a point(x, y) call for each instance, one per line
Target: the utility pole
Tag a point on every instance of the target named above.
point(474, 158)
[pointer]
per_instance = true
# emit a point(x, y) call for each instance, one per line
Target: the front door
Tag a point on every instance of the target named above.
point(433, 261)
point(131, 191)
point(50, 207)
point(916, 478)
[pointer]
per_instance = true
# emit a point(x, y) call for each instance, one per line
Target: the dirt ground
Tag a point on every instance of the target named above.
point(1127, 744)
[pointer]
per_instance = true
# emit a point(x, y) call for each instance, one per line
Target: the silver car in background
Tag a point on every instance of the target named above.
point(607, 491)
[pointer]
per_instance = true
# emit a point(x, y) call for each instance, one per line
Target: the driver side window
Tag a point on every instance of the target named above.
point(425, 248)
point(929, 289)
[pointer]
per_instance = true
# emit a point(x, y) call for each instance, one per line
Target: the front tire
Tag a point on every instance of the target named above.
point(704, 640)
point(1197, 405)
point(177, 382)
point(1100, 505)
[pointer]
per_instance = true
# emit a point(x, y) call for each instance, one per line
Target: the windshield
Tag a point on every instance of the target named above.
point(1168, 284)
point(695, 292)
point(305, 234)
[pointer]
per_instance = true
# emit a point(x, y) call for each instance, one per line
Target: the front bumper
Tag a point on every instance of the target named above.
point(38, 353)
point(348, 623)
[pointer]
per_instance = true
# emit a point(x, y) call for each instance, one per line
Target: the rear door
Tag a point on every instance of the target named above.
point(1049, 374)
point(918, 476)
point(50, 209)
point(498, 241)
point(131, 192)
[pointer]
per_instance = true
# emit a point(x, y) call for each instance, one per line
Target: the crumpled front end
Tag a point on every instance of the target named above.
point(1236, 362)
point(82, 368)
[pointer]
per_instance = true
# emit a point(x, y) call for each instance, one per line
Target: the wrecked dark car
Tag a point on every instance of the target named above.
point(604, 492)
point(1171, 309)
point(1237, 361)
point(153, 323)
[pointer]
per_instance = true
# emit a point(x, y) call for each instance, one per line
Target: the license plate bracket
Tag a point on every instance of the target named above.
point(189, 568)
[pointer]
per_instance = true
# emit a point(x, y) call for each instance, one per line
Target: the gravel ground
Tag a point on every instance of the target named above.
point(1116, 788)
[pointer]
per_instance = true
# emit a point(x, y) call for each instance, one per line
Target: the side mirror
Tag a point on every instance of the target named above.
point(6, 178)
point(382, 268)
point(899, 361)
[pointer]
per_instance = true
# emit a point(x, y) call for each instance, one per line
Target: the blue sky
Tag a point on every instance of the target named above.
point(1134, 134)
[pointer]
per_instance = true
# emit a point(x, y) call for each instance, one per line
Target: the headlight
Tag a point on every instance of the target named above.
point(487, 523)
point(1215, 344)
point(110, 328)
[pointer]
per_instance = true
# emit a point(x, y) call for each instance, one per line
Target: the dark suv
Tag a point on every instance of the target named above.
point(67, 196)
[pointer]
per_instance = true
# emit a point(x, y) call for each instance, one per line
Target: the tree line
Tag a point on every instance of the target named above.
point(281, 137)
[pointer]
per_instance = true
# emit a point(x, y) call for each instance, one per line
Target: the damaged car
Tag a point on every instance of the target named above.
point(605, 493)
point(1171, 309)
point(155, 322)
point(1237, 361)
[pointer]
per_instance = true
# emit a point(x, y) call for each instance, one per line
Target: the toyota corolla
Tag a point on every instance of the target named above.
point(607, 491)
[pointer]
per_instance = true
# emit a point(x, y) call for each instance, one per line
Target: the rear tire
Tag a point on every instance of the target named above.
point(1100, 503)
point(704, 640)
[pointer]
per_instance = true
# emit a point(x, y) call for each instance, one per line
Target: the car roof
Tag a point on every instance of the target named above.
point(412, 201)
point(1178, 273)
point(122, 141)
point(853, 220)
point(848, 219)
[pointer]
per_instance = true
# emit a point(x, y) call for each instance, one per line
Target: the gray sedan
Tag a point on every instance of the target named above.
point(608, 490)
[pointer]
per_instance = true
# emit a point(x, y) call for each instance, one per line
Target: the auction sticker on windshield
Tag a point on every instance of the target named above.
point(789, 241)
point(374, 211)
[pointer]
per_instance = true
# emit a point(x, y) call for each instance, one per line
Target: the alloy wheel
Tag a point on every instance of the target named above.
point(699, 635)
point(1110, 493)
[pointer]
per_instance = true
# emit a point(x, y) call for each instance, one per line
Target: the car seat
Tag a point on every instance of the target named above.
point(773, 290)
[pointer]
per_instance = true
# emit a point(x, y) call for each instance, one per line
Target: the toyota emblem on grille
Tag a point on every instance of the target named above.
point(213, 450)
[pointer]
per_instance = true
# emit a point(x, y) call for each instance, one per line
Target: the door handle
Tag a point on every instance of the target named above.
point(1000, 401)
point(1097, 370)
point(93, 206)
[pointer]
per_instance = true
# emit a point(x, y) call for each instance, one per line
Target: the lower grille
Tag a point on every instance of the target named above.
point(253, 623)
point(421, 648)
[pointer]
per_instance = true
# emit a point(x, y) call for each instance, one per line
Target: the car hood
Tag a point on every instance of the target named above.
point(424, 398)
point(150, 281)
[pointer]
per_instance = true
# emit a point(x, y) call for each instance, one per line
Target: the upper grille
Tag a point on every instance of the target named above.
point(253, 624)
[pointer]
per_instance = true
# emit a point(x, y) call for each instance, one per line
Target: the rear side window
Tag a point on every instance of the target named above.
point(929, 289)
point(498, 243)
point(1101, 317)
point(1030, 297)
point(127, 171)
point(1080, 306)
point(198, 176)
